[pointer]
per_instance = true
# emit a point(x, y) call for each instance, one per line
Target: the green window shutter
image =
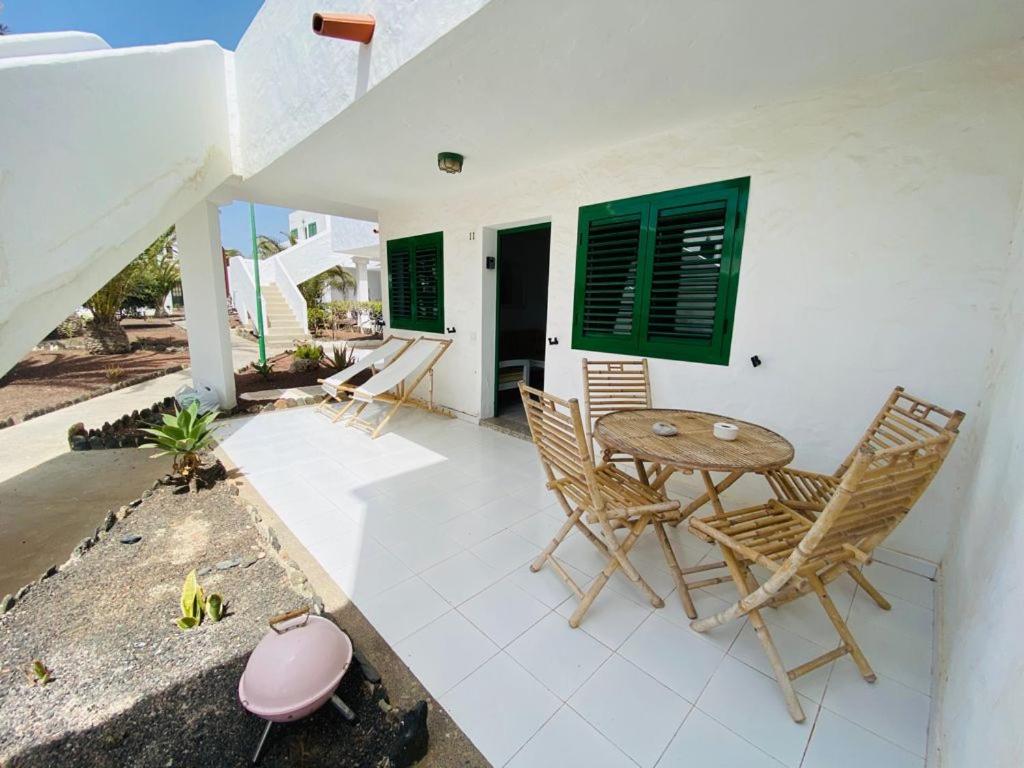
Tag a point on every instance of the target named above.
point(686, 275)
point(311, 229)
point(416, 283)
point(295, 234)
point(399, 282)
point(612, 238)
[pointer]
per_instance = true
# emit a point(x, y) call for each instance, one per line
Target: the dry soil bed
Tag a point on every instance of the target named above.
point(130, 688)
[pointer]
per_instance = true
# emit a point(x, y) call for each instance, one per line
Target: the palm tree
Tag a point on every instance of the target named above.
point(267, 246)
point(313, 289)
point(160, 271)
point(106, 336)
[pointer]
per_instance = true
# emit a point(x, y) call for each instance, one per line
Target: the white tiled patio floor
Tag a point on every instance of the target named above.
point(430, 529)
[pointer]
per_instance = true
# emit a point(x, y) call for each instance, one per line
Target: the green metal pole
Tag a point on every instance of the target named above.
point(256, 279)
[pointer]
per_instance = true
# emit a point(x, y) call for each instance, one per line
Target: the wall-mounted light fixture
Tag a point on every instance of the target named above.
point(450, 162)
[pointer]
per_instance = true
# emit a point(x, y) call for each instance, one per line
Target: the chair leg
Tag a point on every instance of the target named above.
point(613, 565)
point(342, 411)
point(677, 574)
point(867, 586)
point(549, 550)
point(740, 575)
point(620, 553)
point(844, 631)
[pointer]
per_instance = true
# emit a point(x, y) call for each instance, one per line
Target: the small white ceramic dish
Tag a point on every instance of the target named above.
point(725, 431)
point(664, 429)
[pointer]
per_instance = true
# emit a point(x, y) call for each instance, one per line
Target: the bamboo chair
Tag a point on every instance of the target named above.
point(615, 385)
point(875, 493)
point(338, 386)
point(902, 419)
point(395, 384)
point(605, 495)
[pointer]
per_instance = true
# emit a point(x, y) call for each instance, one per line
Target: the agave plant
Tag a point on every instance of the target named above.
point(183, 436)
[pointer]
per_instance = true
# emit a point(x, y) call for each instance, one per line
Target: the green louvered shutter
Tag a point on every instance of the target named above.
point(657, 275)
point(612, 238)
point(427, 272)
point(693, 274)
point(416, 283)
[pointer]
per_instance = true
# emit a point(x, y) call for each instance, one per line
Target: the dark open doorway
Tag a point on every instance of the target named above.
point(522, 313)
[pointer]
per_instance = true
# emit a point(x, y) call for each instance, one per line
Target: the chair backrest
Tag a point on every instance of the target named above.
point(557, 430)
point(613, 385)
point(414, 362)
point(904, 419)
point(875, 495)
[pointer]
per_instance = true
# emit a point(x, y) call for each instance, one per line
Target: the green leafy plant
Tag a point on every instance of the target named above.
point(263, 369)
point(195, 605)
point(191, 602)
point(341, 357)
point(39, 673)
point(183, 436)
point(214, 607)
point(312, 352)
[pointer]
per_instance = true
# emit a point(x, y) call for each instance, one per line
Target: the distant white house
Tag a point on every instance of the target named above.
point(321, 242)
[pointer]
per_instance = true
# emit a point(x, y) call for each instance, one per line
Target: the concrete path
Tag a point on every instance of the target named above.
point(40, 440)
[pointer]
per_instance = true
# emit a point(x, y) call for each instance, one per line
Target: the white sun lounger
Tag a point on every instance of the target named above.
point(396, 383)
point(374, 361)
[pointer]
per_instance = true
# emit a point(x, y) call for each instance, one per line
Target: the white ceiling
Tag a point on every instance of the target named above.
point(525, 81)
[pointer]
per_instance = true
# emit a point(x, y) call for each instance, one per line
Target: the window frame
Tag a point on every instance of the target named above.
point(311, 229)
point(734, 193)
point(411, 323)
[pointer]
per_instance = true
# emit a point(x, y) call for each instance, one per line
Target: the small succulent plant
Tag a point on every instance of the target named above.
point(183, 436)
point(39, 673)
point(195, 605)
point(263, 369)
point(191, 602)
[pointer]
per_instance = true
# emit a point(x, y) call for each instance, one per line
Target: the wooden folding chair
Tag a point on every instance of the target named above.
point(875, 493)
point(615, 385)
point(396, 383)
point(339, 386)
point(605, 495)
point(902, 419)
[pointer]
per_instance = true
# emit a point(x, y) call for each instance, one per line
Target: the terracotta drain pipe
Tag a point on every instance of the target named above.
point(357, 27)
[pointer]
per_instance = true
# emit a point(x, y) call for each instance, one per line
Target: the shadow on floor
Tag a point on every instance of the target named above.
point(46, 511)
point(200, 723)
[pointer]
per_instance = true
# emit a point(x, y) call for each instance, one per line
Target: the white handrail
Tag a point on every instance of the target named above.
point(243, 290)
point(291, 293)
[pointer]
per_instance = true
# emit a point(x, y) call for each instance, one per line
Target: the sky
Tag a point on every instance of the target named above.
point(124, 23)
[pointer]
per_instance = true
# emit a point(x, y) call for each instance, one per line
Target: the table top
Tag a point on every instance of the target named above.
point(695, 446)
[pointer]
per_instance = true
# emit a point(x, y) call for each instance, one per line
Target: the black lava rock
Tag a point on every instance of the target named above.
point(412, 740)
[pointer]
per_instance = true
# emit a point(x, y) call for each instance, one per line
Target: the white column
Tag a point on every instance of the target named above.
point(362, 279)
point(206, 309)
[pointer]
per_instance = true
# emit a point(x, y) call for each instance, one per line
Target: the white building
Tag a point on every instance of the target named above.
point(862, 165)
point(321, 242)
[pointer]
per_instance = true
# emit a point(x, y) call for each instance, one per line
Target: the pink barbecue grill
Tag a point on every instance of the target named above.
point(295, 670)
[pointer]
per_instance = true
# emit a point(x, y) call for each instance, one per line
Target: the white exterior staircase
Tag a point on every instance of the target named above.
point(279, 323)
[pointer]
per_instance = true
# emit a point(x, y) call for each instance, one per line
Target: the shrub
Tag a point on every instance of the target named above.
point(312, 352)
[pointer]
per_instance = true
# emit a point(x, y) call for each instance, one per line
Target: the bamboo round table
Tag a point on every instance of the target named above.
point(693, 449)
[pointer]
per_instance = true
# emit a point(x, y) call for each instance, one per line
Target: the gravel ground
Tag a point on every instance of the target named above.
point(50, 378)
point(129, 687)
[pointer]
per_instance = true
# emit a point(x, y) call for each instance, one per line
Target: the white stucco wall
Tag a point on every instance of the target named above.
point(979, 699)
point(875, 249)
point(44, 43)
point(101, 151)
point(291, 81)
